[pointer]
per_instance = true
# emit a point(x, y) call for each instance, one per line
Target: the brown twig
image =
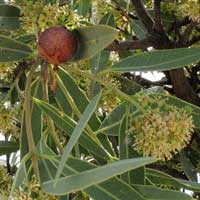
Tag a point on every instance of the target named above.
point(129, 45)
point(157, 17)
point(143, 14)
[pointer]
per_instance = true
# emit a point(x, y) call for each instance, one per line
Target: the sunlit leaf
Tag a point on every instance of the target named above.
point(94, 39)
point(158, 60)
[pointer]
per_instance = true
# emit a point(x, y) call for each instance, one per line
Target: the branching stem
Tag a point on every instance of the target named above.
point(27, 110)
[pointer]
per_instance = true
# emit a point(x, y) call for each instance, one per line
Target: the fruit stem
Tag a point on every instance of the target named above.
point(27, 110)
point(46, 99)
point(54, 84)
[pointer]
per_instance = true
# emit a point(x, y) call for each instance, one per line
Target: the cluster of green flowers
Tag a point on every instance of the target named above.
point(6, 181)
point(10, 121)
point(32, 191)
point(109, 100)
point(44, 15)
point(162, 130)
point(6, 69)
point(190, 8)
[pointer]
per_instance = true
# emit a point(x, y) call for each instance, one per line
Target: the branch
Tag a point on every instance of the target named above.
point(195, 39)
point(188, 31)
point(143, 14)
point(157, 18)
point(27, 110)
point(179, 23)
point(129, 45)
point(182, 87)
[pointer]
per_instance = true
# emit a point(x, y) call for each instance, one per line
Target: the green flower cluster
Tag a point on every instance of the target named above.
point(190, 8)
point(5, 181)
point(43, 15)
point(161, 132)
point(10, 121)
point(31, 192)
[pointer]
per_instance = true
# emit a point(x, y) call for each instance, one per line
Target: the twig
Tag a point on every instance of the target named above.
point(157, 18)
point(129, 45)
point(27, 110)
point(143, 14)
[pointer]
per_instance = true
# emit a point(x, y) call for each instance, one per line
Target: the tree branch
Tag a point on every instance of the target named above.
point(143, 14)
point(129, 45)
point(182, 87)
point(157, 18)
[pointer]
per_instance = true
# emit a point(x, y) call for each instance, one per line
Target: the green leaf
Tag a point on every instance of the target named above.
point(94, 39)
point(99, 62)
point(7, 147)
point(111, 124)
point(123, 144)
point(108, 19)
point(76, 94)
point(67, 83)
point(21, 177)
point(26, 38)
point(158, 60)
point(154, 193)
point(139, 29)
point(188, 167)
point(161, 178)
point(67, 125)
point(77, 132)
point(36, 121)
point(9, 17)
point(94, 176)
point(12, 50)
point(9, 10)
point(111, 189)
point(84, 7)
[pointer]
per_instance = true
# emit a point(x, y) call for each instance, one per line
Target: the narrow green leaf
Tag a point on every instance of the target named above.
point(158, 177)
point(94, 176)
point(188, 167)
point(94, 39)
point(158, 60)
point(139, 29)
point(112, 189)
point(9, 17)
point(9, 23)
point(154, 193)
point(7, 147)
point(67, 125)
point(26, 38)
point(111, 124)
point(108, 19)
point(12, 50)
point(36, 121)
point(123, 144)
point(78, 96)
point(9, 10)
point(84, 7)
point(21, 177)
point(77, 132)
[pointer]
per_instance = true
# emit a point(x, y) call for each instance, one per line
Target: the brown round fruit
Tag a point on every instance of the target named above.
point(57, 45)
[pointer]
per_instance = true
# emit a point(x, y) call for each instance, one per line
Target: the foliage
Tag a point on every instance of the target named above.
point(105, 133)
